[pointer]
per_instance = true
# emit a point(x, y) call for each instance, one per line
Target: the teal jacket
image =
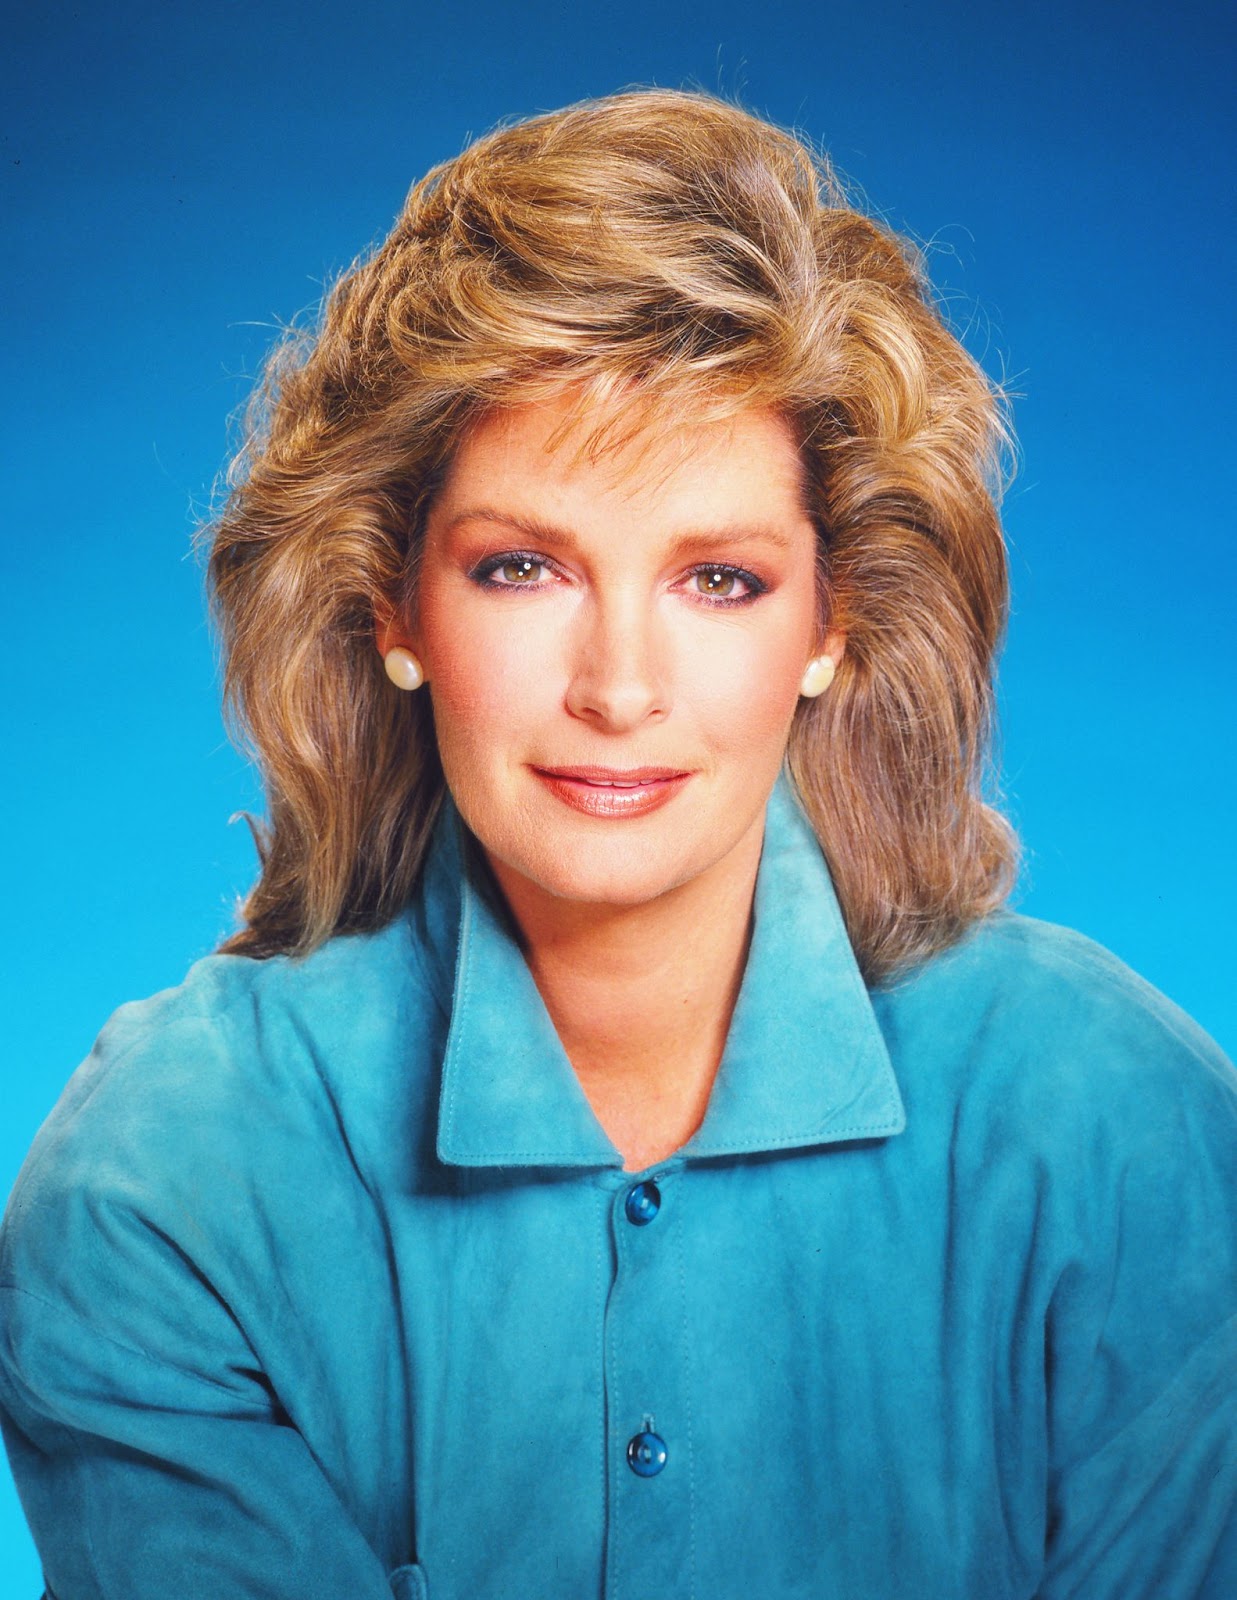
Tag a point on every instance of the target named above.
point(323, 1280)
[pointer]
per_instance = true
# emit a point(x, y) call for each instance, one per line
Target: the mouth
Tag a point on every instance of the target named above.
point(613, 791)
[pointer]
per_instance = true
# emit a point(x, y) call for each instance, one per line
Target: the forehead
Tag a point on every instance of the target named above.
point(558, 449)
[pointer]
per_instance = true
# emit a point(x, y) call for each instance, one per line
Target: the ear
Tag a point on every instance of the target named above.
point(391, 630)
point(819, 671)
point(834, 646)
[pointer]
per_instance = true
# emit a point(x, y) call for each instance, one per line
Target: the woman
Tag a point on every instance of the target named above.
point(627, 1147)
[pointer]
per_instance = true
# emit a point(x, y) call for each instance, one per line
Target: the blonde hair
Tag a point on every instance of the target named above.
point(672, 247)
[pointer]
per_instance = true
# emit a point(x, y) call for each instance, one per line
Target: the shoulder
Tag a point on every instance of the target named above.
point(254, 1009)
point(239, 1032)
point(1018, 988)
point(247, 1080)
point(1079, 1130)
point(1057, 1045)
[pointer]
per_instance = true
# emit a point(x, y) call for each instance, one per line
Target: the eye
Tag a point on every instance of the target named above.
point(521, 569)
point(511, 570)
point(728, 585)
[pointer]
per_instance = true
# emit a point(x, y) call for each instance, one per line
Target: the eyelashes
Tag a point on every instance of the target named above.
point(517, 569)
point(717, 574)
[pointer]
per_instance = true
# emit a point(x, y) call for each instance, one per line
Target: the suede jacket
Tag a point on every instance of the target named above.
point(323, 1280)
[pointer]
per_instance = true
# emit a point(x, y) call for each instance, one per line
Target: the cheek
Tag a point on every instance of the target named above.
point(487, 671)
point(745, 688)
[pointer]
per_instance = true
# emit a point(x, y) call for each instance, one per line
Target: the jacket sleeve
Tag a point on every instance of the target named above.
point(143, 1480)
point(151, 1451)
point(1141, 1348)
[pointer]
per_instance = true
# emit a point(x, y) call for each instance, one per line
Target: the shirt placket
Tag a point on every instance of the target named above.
point(650, 1529)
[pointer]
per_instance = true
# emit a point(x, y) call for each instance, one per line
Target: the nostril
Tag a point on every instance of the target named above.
point(616, 708)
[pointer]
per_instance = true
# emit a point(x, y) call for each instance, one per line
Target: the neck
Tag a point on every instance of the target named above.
point(641, 996)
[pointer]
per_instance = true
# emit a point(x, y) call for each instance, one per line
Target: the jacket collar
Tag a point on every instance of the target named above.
point(805, 1062)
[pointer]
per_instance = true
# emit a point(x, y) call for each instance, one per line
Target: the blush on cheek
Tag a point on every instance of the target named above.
point(496, 709)
point(751, 695)
point(484, 670)
point(466, 691)
point(501, 688)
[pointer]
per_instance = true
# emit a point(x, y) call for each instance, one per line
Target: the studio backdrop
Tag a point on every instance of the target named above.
point(180, 182)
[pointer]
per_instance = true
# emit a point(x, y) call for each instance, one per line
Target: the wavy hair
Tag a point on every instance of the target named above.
point(675, 249)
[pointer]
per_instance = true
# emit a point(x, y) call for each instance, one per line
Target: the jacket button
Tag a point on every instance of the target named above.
point(643, 1202)
point(646, 1454)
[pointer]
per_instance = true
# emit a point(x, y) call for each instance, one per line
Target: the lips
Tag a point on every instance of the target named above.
point(613, 792)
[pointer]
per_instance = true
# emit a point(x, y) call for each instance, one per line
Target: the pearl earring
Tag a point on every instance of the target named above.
point(818, 677)
point(403, 668)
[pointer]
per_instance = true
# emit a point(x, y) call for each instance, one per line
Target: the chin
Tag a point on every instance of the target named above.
point(624, 876)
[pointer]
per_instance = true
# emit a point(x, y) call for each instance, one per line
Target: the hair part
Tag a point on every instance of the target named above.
point(662, 254)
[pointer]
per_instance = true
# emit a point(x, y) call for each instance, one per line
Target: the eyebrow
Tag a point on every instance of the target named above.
point(551, 536)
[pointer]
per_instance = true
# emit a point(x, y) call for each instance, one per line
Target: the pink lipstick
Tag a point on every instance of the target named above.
point(613, 791)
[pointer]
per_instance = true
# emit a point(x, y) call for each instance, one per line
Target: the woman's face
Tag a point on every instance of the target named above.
point(614, 648)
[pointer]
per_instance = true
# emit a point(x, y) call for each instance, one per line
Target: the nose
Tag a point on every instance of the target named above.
point(618, 675)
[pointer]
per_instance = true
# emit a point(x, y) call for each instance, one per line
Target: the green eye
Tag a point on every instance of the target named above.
point(716, 582)
point(519, 570)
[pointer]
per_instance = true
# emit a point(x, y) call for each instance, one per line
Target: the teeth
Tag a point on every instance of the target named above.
point(599, 784)
point(613, 783)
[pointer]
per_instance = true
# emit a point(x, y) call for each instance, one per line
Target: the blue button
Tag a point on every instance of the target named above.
point(643, 1202)
point(646, 1454)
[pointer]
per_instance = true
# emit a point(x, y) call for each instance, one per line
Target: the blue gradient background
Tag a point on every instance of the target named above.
point(178, 180)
